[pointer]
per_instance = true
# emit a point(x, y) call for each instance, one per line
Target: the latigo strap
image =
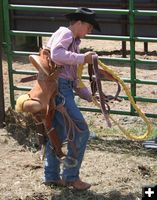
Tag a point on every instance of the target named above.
point(95, 77)
point(103, 103)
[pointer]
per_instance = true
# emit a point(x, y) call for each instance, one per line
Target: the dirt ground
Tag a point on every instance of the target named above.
point(116, 167)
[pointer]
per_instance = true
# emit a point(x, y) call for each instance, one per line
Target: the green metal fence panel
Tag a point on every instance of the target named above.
point(131, 12)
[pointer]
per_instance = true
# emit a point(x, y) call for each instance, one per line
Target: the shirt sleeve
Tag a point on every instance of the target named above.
point(84, 93)
point(60, 53)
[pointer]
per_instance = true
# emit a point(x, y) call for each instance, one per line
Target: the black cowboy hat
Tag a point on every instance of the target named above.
point(85, 15)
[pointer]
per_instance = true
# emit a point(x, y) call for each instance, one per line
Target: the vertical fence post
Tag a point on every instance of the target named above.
point(8, 49)
point(2, 107)
point(132, 51)
point(124, 29)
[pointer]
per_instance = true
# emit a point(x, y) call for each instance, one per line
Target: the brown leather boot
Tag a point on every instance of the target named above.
point(79, 185)
point(58, 183)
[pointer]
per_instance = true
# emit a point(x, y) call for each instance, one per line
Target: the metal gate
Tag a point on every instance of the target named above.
point(12, 12)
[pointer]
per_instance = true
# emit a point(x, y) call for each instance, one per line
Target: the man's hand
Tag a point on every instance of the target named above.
point(88, 57)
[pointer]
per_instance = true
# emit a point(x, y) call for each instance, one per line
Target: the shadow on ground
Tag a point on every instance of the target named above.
point(67, 194)
point(23, 130)
point(120, 145)
point(113, 195)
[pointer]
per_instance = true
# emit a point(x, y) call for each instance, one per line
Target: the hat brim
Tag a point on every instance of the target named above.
point(84, 18)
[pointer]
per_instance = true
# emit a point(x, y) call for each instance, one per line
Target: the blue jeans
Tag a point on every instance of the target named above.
point(52, 164)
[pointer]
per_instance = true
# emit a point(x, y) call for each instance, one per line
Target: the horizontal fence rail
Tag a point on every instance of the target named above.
point(130, 12)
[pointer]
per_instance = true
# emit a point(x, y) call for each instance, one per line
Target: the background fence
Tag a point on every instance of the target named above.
point(29, 21)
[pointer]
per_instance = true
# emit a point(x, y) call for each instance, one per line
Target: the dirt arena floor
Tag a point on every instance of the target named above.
point(116, 167)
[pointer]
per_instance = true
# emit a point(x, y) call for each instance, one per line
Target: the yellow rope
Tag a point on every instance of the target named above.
point(80, 83)
point(141, 114)
point(126, 89)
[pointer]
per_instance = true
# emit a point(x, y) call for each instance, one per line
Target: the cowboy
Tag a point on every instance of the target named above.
point(64, 51)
